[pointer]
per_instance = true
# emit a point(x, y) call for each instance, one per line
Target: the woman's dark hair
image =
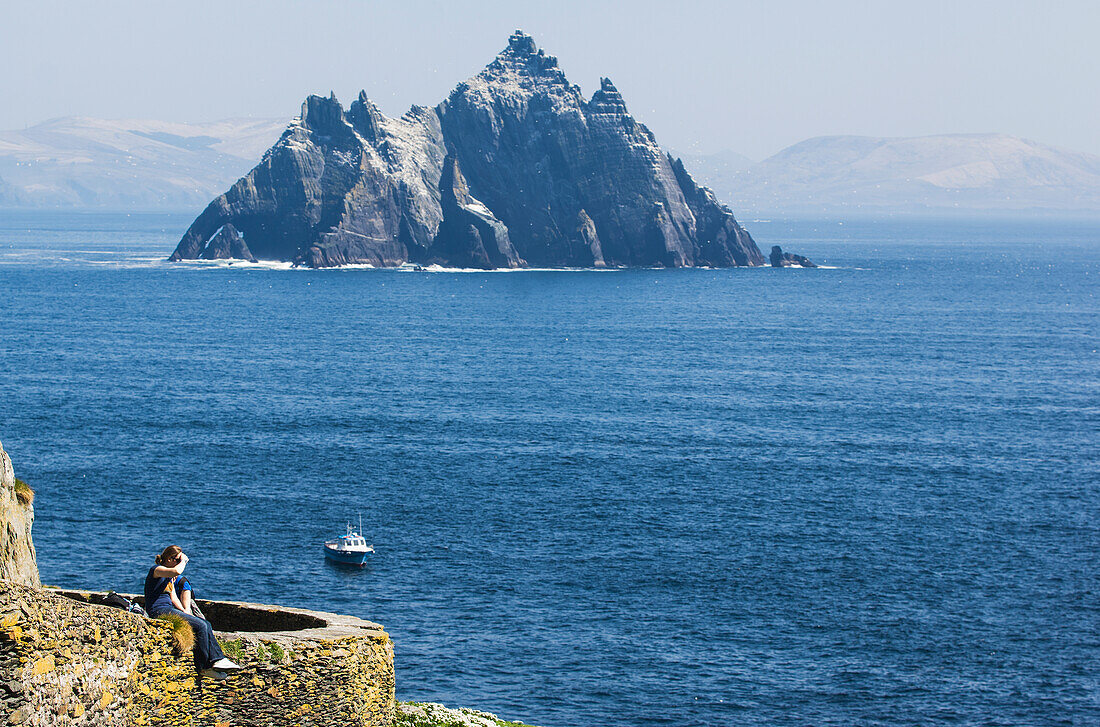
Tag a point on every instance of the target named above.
point(171, 553)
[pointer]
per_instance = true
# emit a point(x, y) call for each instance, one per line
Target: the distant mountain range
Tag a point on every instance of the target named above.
point(852, 174)
point(128, 164)
point(142, 164)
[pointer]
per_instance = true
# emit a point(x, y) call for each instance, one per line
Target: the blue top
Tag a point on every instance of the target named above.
point(157, 598)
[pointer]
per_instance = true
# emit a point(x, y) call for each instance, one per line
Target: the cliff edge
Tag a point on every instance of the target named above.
point(17, 557)
point(514, 168)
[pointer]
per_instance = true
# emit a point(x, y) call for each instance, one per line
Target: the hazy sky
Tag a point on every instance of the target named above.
point(752, 77)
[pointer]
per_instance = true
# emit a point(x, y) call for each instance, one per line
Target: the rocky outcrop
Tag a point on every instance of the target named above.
point(780, 259)
point(470, 235)
point(17, 558)
point(227, 244)
point(515, 168)
point(430, 714)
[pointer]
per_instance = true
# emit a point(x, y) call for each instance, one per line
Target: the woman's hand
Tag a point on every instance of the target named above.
point(164, 571)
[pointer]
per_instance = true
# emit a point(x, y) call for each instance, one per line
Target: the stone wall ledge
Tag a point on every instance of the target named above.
point(252, 621)
point(66, 658)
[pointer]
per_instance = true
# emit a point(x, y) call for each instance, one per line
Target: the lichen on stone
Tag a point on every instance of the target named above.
point(431, 714)
point(67, 658)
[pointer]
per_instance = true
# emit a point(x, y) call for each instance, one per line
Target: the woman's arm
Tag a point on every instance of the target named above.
point(185, 600)
point(165, 572)
point(176, 599)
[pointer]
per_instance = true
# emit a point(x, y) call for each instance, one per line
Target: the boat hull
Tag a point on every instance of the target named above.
point(345, 557)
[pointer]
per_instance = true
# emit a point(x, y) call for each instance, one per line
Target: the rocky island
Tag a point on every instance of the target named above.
point(516, 168)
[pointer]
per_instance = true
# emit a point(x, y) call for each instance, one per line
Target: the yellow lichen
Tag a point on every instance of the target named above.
point(43, 665)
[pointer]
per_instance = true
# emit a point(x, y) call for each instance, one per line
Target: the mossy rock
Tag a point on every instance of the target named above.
point(429, 714)
point(23, 492)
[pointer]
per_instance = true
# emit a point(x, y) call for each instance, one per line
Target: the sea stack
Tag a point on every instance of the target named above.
point(516, 168)
point(780, 259)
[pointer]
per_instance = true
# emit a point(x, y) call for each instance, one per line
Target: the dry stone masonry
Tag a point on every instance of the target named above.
point(69, 663)
point(66, 659)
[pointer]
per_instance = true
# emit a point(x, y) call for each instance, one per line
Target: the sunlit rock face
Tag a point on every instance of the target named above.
point(515, 168)
point(17, 556)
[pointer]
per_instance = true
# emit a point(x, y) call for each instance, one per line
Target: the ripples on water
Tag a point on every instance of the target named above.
point(685, 497)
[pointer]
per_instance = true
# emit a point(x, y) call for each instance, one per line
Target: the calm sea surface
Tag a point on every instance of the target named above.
point(861, 495)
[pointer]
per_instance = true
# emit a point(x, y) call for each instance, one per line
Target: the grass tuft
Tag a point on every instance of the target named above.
point(183, 638)
point(234, 650)
point(23, 492)
point(277, 653)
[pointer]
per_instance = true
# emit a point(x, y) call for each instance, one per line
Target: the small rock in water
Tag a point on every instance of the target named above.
point(780, 259)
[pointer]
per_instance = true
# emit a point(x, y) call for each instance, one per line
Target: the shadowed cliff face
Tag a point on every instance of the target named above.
point(514, 168)
point(17, 557)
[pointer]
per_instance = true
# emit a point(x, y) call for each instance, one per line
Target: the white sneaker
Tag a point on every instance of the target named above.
point(224, 664)
point(214, 674)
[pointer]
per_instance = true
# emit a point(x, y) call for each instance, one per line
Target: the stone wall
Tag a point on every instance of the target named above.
point(17, 558)
point(67, 659)
point(65, 662)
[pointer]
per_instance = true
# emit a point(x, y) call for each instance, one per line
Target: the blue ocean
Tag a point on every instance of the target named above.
point(866, 494)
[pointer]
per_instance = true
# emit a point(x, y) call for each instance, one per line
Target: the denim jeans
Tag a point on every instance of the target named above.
point(207, 650)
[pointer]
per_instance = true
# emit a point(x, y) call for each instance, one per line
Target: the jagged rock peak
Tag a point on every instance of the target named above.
point(780, 259)
point(607, 99)
point(365, 117)
point(319, 112)
point(521, 43)
point(524, 59)
point(227, 244)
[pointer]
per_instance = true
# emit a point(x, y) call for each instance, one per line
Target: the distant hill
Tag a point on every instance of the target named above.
point(143, 164)
point(83, 162)
point(846, 174)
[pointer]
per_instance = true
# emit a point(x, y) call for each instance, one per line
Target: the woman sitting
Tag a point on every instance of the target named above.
point(161, 599)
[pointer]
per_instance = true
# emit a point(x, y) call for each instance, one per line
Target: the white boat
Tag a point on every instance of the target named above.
point(349, 549)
